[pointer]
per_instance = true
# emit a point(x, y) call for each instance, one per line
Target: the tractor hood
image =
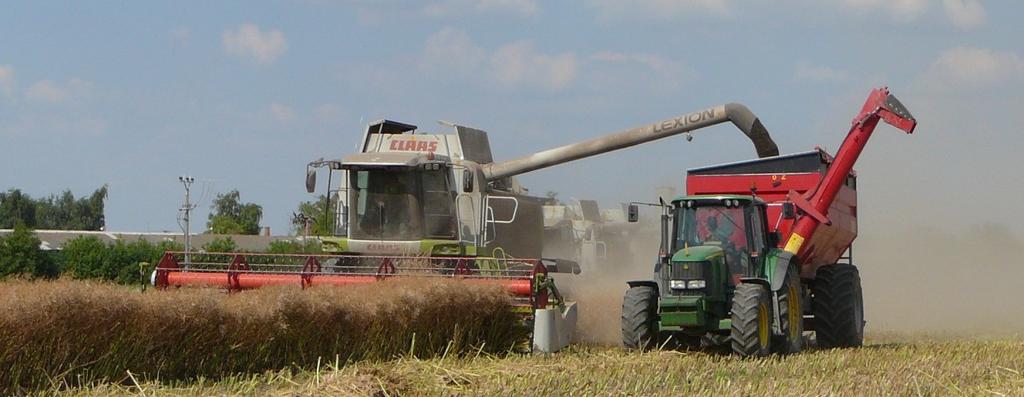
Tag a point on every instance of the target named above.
point(697, 254)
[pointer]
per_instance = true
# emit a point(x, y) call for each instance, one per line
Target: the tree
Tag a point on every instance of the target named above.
point(320, 212)
point(61, 212)
point(20, 255)
point(15, 207)
point(229, 215)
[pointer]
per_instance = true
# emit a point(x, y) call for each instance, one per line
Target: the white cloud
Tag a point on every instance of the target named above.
point(457, 7)
point(818, 73)
point(452, 48)
point(662, 9)
point(452, 52)
point(901, 9)
point(518, 63)
point(329, 112)
point(654, 62)
point(665, 72)
point(964, 14)
point(251, 42)
point(181, 34)
point(282, 113)
point(7, 80)
point(973, 68)
point(53, 92)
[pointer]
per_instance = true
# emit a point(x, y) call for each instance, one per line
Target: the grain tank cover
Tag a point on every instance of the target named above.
point(390, 127)
point(811, 161)
point(475, 145)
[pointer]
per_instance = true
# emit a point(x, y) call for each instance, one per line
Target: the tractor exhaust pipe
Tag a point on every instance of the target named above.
point(738, 114)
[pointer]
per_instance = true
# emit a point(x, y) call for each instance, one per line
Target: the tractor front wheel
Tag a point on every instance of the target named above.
point(640, 317)
point(838, 305)
point(751, 320)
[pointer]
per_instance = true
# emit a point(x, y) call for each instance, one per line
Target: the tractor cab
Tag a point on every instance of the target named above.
point(711, 244)
point(729, 229)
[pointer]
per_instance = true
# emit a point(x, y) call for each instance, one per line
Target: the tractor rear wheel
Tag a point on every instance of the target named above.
point(640, 317)
point(838, 304)
point(751, 320)
point(791, 314)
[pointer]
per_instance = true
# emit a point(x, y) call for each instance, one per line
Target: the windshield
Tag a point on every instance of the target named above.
point(401, 204)
point(711, 225)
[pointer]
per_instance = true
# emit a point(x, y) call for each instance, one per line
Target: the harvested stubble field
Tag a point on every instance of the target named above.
point(891, 365)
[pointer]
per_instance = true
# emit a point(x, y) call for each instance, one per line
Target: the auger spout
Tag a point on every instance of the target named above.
point(736, 113)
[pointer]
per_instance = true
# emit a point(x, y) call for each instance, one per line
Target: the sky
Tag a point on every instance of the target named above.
point(242, 94)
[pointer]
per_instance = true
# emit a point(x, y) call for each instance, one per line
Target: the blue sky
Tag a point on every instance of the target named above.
point(243, 94)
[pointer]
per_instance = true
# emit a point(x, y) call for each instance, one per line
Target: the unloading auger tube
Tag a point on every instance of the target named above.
point(738, 114)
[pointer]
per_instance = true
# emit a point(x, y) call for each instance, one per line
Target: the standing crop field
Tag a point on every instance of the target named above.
point(70, 333)
point(416, 338)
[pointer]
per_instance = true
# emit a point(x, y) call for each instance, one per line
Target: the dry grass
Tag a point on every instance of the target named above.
point(71, 333)
point(916, 365)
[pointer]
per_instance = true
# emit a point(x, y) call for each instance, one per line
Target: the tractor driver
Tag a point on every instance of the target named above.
point(734, 258)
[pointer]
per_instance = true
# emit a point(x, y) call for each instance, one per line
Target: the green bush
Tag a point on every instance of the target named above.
point(20, 255)
point(294, 247)
point(86, 257)
point(221, 244)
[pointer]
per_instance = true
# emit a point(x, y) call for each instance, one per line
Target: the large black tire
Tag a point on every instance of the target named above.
point(640, 317)
point(751, 320)
point(791, 314)
point(838, 305)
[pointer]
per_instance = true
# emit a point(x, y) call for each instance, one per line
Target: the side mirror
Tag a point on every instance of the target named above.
point(467, 181)
point(632, 213)
point(310, 179)
point(788, 211)
point(773, 239)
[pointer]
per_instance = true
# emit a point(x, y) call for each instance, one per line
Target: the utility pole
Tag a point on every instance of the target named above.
point(186, 211)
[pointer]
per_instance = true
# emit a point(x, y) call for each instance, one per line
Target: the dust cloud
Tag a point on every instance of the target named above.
point(924, 278)
point(599, 288)
point(917, 278)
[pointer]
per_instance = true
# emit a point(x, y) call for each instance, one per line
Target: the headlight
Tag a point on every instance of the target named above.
point(695, 284)
point(677, 284)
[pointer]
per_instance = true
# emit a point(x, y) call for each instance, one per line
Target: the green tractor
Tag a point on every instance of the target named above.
point(713, 282)
point(724, 271)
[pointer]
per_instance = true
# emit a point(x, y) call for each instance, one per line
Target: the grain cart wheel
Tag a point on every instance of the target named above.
point(838, 307)
point(791, 314)
point(751, 320)
point(640, 317)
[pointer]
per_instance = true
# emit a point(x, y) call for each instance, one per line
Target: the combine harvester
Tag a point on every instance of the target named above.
point(754, 253)
point(584, 233)
point(437, 205)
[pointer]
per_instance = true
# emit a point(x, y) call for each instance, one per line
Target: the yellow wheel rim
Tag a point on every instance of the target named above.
point(795, 314)
point(762, 324)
